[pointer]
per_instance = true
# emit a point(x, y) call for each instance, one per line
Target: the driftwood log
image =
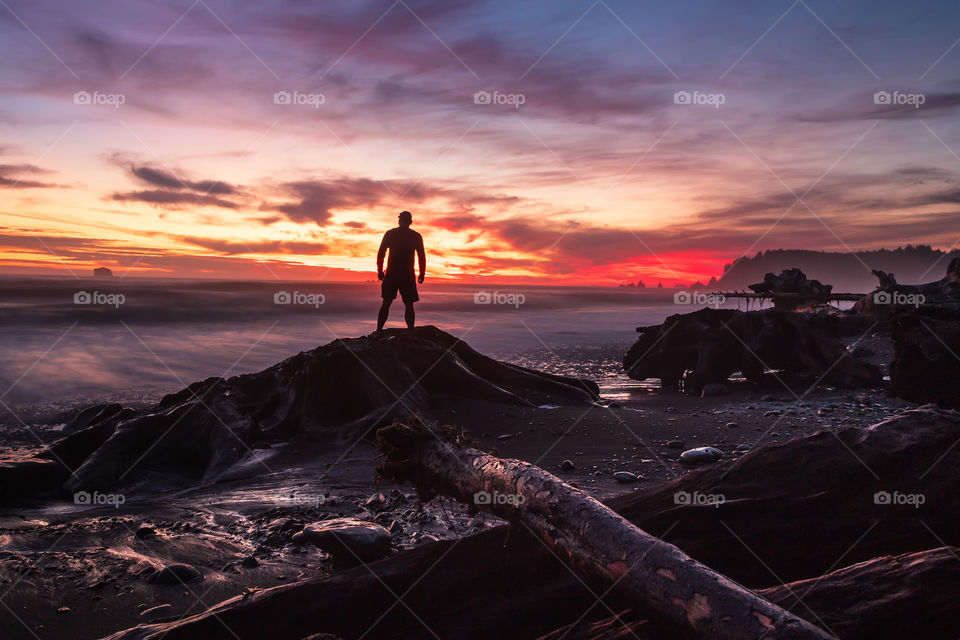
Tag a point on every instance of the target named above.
point(912, 594)
point(598, 543)
point(794, 512)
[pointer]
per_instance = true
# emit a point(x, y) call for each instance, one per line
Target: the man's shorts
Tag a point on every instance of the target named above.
point(405, 283)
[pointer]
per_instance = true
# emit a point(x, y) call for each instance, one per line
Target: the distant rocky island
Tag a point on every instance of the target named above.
point(847, 272)
point(102, 272)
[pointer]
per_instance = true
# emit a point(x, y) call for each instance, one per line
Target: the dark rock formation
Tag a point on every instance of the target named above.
point(791, 281)
point(926, 361)
point(891, 297)
point(710, 344)
point(339, 389)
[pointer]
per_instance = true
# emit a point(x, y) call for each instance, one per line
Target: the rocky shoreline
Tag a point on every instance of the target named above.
point(303, 502)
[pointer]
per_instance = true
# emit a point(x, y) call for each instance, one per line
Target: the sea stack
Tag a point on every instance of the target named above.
point(102, 272)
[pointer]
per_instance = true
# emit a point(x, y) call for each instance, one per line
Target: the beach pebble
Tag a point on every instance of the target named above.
point(772, 413)
point(768, 398)
point(175, 574)
point(250, 562)
point(701, 455)
point(675, 444)
point(567, 465)
point(376, 501)
point(349, 540)
point(625, 476)
point(732, 425)
point(63, 610)
point(714, 389)
point(145, 532)
point(743, 447)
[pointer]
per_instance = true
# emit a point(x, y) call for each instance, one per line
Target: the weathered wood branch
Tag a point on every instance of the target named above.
point(817, 490)
point(656, 577)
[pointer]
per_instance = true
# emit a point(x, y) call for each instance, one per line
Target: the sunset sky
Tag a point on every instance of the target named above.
point(279, 139)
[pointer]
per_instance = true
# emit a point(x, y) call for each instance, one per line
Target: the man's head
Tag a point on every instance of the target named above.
point(405, 219)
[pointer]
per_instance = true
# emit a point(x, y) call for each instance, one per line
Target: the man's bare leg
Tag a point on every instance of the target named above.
point(409, 316)
point(382, 316)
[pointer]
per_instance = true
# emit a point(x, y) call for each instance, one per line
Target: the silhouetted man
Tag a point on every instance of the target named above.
point(402, 242)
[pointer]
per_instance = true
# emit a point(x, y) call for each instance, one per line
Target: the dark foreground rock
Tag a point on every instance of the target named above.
point(350, 541)
point(343, 388)
point(788, 513)
point(926, 361)
point(708, 345)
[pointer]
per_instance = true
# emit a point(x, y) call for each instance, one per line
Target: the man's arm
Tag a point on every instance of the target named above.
point(380, 255)
point(422, 256)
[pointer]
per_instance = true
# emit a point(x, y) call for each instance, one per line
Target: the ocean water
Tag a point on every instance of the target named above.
point(67, 342)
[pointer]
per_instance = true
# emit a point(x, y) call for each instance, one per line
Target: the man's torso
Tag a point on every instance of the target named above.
point(402, 243)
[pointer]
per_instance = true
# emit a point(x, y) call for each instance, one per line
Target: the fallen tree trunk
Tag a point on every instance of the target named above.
point(655, 576)
point(879, 598)
point(791, 511)
point(912, 594)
